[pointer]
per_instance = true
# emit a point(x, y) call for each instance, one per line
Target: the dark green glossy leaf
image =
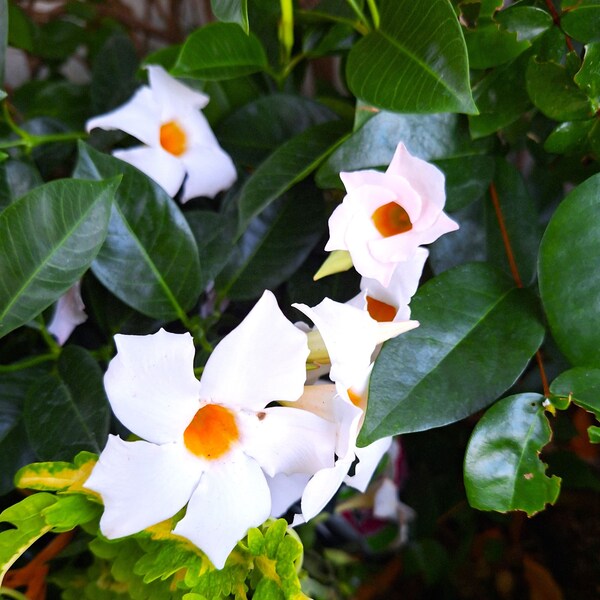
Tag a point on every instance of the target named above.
point(232, 11)
point(553, 91)
point(573, 137)
point(288, 165)
point(220, 51)
point(490, 46)
point(66, 414)
point(274, 245)
point(569, 285)
point(503, 471)
point(582, 386)
point(47, 241)
point(583, 22)
point(227, 96)
point(255, 130)
point(588, 77)
point(528, 22)
point(520, 221)
point(415, 62)
point(150, 259)
point(16, 179)
point(429, 137)
point(476, 337)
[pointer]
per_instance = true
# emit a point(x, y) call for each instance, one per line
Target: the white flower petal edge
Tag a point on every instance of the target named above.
point(285, 490)
point(141, 484)
point(151, 385)
point(68, 314)
point(262, 360)
point(368, 459)
point(228, 501)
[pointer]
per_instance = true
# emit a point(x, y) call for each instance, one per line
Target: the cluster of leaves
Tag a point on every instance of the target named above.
point(503, 99)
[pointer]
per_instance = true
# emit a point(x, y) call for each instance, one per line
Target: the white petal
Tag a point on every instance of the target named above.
point(260, 361)
point(141, 484)
point(164, 168)
point(171, 95)
point(140, 117)
point(385, 503)
point(323, 486)
point(285, 490)
point(289, 440)
point(318, 399)
point(210, 170)
point(369, 458)
point(232, 497)
point(68, 314)
point(151, 385)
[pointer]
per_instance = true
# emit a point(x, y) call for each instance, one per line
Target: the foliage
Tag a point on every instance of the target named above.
point(504, 97)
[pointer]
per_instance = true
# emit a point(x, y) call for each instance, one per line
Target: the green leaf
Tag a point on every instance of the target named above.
point(573, 137)
point(274, 245)
point(554, 93)
point(47, 241)
point(582, 386)
point(430, 137)
point(415, 62)
point(490, 46)
point(567, 270)
point(232, 11)
point(21, 30)
point(70, 511)
point(220, 51)
point(150, 259)
point(503, 471)
point(528, 22)
point(583, 22)
point(30, 525)
point(258, 128)
point(288, 165)
point(58, 476)
point(476, 337)
point(588, 77)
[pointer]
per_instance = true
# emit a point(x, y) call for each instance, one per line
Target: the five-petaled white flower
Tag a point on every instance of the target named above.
point(210, 443)
point(385, 217)
point(178, 141)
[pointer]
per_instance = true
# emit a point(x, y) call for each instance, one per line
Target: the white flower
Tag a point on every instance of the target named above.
point(68, 314)
point(391, 303)
point(178, 141)
point(210, 443)
point(351, 337)
point(385, 217)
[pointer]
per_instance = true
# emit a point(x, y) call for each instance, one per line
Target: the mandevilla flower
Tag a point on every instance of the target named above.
point(210, 443)
point(178, 141)
point(385, 217)
point(68, 314)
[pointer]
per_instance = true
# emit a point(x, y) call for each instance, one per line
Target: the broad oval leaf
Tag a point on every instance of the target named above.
point(288, 165)
point(69, 413)
point(416, 61)
point(503, 470)
point(48, 239)
point(568, 274)
point(150, 258)
point(476, 336)
point(582, 23)
point(582, 386)
point(220, 51)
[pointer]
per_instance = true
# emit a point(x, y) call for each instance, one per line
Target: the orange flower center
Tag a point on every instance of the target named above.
point(172, 138)
point(212, 432)
point(355, 398)
point(391, 219)
point(381, 311)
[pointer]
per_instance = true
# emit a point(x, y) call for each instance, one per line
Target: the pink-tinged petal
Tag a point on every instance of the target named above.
point(262, 360)
point(151, 385)
point(355, 179)
point(424, 177)
point(171, 95)
point(323, 486)
point(140, 117)
point(351, 336)
point(210, 170)
point(141, 484)
point(288, 440)
point(285, 490)
point(338, 224)
point(232, 497)
point(368, 458)
point(68, 314)
point(164, 168)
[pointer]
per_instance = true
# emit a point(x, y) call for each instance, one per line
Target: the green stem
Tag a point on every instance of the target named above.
point(4, 591)
point(360, 14)
point(26, 363)
point(374, 13)
point(52, 344)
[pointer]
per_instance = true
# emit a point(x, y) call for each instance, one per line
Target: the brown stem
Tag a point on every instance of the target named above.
point(556, 19)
